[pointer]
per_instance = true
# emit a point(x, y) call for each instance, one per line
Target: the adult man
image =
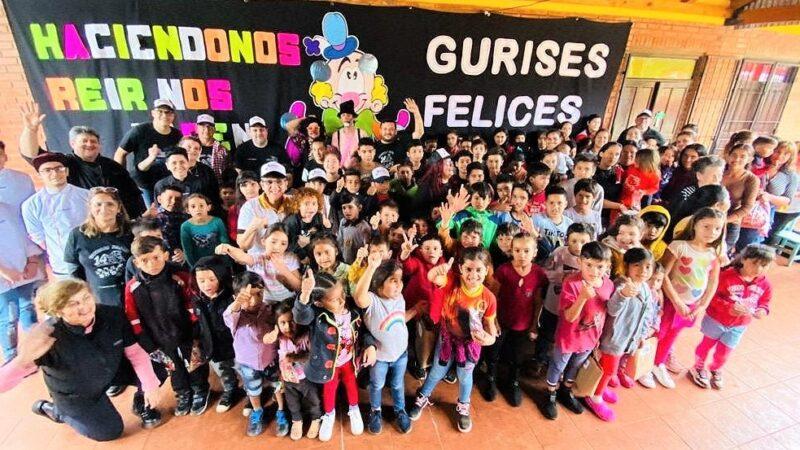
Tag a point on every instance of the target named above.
point(52, 213)
point(146, 141)
point(391, 149)
point(178, 166)
point(87, 167)
point(643, 122)
point(259, 213)
point(256, 152)
point(213, 154)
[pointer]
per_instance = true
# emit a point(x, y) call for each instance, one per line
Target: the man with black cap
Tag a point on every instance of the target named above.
point(213, 154)
point(52, 213)
point(256, 152)
point(146, 141)
point(258, 214)
point(88, 168)
point(391, 149)
point(643, 121)
point(346, 138)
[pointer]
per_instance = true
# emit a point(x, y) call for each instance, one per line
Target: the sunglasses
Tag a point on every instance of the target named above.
point(103, 190)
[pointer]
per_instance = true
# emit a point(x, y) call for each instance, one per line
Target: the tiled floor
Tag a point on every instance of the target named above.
point(759, 408)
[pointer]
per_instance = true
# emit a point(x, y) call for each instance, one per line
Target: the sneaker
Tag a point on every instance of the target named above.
point(356, 423)
point(565, 396)
point(46, 408)
point(490, 390)
point(248, 408)
point(326, 428)
point(151, 418)
point(226, 401)
point(673, 365)
point(255, 424)
point(419, 404)
point(609, 396)
point(375, 422)
point(281, 423)
point(613, 381)
point(550, 409)
point(450, 378)
point(647, 381)
point(663, 377)
point(114, 390)
point(625, 381)
point(200, 402)
point(716, 379)
point(516, 394)
point(183, 404)
point(699, 376)
point(297, 430)
point(464, 421)
point(138, 403)
point(418, 372)
point(600, 409)
point(313, 429)
point(403, 421)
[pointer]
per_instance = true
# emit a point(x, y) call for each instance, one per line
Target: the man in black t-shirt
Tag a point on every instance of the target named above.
point(147, 141)
point(87, 167)
point(256, 152)
point(391, 149)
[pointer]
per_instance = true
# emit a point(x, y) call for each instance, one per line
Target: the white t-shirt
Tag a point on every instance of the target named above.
point(690, 273)
point(274, 290)
point(252, 209)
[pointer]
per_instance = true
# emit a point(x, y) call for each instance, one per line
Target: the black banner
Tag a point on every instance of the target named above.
point(103, 62)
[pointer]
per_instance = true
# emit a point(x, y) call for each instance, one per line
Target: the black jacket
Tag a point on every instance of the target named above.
point(216, 339)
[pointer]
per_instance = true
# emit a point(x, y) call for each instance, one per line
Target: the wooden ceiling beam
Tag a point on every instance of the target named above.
point(758, 16)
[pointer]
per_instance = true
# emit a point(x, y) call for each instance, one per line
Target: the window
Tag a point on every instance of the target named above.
point(757, 99)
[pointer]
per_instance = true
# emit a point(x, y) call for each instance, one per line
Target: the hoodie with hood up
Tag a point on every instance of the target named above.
point(658, 246)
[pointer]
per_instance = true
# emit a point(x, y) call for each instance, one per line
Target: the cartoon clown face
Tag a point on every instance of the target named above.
point(349, 82)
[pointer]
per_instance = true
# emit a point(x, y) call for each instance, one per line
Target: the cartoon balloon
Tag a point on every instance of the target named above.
point(320, 71)
point(368, 64)
point(286, 118)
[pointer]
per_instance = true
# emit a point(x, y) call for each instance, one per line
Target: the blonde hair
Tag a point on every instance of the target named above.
point(648, 160)
point(90, 227)
point(789, 166)
point(53, 297)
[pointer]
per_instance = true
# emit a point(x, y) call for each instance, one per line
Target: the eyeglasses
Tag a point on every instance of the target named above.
point(49, 170)
point(103, 190)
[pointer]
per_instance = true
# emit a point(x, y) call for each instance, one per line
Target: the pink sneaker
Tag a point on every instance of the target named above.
point(614, 381)
point(601, 410)
point(609, 396)
point(625, 381)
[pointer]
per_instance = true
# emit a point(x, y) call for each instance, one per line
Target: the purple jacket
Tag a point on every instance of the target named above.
point(248, 328)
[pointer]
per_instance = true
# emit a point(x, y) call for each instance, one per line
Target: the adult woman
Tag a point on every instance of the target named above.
point(601, 138)
point(82, 349)
point(683, 175)
point(434, 184)
point(740, 137)
point(100, 247)
point(247, 187)
point(593, 123)
point(782, 183)
point(302, 132)
point(742, 186)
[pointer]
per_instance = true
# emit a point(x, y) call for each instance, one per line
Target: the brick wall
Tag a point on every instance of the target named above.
point(724, 47)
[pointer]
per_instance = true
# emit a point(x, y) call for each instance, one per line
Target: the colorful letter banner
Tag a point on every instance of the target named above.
point(102, 63)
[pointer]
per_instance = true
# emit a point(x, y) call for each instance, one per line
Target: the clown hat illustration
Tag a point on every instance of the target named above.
point(347, 107)
point(341, 42)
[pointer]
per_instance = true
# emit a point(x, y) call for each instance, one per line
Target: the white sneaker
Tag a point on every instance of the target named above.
point(663, 376)
point(326, 429)
point(647, 381)
point(356, 424)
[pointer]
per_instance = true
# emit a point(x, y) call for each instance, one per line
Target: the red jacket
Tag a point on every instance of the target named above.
point(417, 287)
point(733, 289)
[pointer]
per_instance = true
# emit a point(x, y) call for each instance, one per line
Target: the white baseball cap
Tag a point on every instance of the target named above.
point(255, 120)
point(380, 174)
point(438, 155)
point(645, 112)
point(317, 174)
point(273, 168)
point(164, 103)
point(205, 118)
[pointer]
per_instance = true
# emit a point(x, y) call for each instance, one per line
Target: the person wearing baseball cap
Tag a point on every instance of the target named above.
point(52, 213)
point(213, 153)
point(146, 141)
point(253, 154)
point(643, 121)
point(258, 214)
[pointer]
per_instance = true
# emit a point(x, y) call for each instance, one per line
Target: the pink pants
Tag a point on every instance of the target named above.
point(721, 353)
point(672, 324)
point(610, 365)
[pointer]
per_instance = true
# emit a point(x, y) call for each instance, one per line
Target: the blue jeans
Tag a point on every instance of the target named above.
point(566, 363)
point(438, 372)
point(16, 306)
point(254, 380)
point(148, 196)
point(377, 379)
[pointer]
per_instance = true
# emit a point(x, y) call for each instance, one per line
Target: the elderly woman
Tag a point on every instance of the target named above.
point(100, 247)
point(82, 349)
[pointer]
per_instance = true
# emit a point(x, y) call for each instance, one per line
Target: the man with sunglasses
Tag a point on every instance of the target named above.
point(87, 166)
point(52, 212)
point(147, 141)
